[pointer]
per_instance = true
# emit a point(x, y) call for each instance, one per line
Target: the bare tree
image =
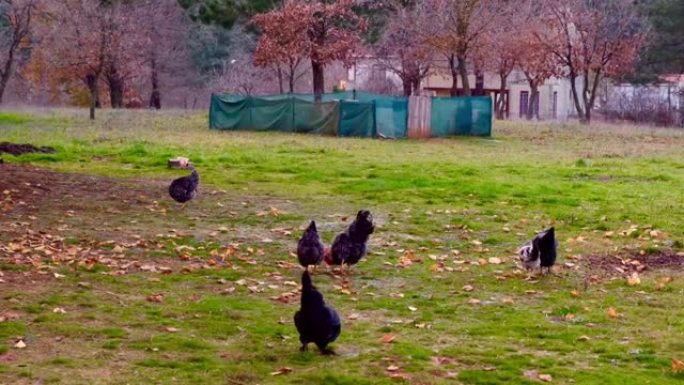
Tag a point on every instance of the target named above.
point(591, 40)
point(163, 27)
point(241, 77)
point(402, 49)
point(16, 19)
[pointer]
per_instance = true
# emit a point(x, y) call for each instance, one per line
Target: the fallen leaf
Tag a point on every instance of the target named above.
point(677, 365)
point(59, 310)
point(283, 370)
point(612, 313)
point(412, 308)
point(494, 261)
point(633, 280)
point(468, 288)
point(20, 344)
point(353, 316)
point(388, 338)
point(171, 329)
point(392, 368)
point(575, 293)
point(569, 317)
point(474, 301)
point(545, 377)
point(583, 338)
point(155, 298)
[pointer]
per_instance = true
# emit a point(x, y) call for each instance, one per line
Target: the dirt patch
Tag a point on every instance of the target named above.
point(627, 264)
point(18, 149)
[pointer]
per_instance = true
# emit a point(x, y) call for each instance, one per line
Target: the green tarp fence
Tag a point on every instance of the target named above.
point(350, 113)
point(461, 116)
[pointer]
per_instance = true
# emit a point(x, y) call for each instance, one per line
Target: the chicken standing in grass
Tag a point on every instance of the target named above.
point(310, 248)
point(349, 247)
point(541, 252)
point(315, 321)
point(184, 188)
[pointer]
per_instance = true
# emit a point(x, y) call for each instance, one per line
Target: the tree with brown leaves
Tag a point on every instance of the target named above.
point(456, 27)
point(283, 44)
point(332, 32)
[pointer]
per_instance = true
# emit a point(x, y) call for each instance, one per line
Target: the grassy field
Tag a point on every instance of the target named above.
point(105, 280)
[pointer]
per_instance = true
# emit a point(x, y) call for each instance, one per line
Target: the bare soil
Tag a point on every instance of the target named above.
point(628, 264)
point(18, 149)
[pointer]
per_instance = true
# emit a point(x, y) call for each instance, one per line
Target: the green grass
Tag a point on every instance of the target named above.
point(433, 196)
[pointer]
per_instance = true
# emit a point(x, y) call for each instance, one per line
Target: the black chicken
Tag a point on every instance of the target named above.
point(184, 188)
point(541, 252)
point(310, 248)
point(315, 321)
point(349, 247)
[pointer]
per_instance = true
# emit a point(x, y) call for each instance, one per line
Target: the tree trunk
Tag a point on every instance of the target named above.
point(501, 102)
point(91, 82)
point(463, 71)
point(291, 79)
point(279, 72)
point(454, 76)
point(416, 84)
point(532, 105)
point(116, 87)
point(479, 83)
point(318, 80)
point(4, 79)
point(592, 97)
point(6, 72)
point(155, 97)
point(406, 85)
point(575, 96)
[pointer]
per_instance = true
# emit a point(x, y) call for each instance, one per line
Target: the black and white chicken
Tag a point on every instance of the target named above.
point(315, 321)
point(540, 252)
point(184, 188)
point(310, 249)
point(349, 247)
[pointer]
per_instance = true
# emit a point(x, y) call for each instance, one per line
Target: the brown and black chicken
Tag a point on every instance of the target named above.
point(184, 188)
point(349, 247)
point(310, 248)
point(315, 321)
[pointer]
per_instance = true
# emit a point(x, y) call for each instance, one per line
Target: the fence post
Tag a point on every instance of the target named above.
point(419, 116)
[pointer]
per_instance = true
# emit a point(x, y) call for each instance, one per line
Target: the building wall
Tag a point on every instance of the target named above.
point(365, 70)
point(516, 84)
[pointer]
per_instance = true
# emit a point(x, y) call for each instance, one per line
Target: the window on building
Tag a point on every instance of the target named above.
point(377, 73)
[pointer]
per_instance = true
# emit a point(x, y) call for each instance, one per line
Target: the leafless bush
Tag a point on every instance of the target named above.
point(645, 105)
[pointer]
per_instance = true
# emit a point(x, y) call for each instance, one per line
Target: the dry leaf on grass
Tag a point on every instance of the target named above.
point(677, 366)
point(283, 370)
point(495, 261)
point(20, 344)
point(156, 298)
point(612, 313)
point(388, 338)
point(468, 288)
point(634, 279)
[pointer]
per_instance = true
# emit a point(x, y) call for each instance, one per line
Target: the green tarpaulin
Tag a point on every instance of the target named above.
point(349, 113)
